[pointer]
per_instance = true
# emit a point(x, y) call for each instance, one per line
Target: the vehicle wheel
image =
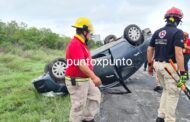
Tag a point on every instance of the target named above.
point(133, 35)
point(57, 69)
point(110, 38)
point(146, 32)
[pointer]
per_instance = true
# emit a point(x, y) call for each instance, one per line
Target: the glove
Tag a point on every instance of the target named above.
point(182, 80)
point(150, 68)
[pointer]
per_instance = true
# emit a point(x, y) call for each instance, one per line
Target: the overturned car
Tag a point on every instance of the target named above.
point(123, 56)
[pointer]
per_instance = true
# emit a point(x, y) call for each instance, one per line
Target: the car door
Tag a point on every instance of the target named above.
point(104, 70)
point(131, 56)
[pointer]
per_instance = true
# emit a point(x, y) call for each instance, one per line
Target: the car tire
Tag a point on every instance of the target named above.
point(133, 35)
point(57, 69)
point(110, 38)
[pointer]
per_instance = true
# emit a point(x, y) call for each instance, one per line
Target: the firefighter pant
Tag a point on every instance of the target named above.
point(85, 100)
point(157, 81)
point(170, 94)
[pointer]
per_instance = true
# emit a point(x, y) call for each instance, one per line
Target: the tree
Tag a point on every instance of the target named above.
point(21, 36)
point(99, 43)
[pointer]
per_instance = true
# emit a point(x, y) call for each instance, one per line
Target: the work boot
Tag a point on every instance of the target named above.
point(88, 121)
point(159, 119)
point(158, 88)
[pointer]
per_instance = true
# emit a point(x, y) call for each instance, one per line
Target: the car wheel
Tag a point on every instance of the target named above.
point(133, 35)
point(110, 38)
point(57, 69)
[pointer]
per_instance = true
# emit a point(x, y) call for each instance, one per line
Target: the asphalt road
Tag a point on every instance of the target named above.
point(139, 106)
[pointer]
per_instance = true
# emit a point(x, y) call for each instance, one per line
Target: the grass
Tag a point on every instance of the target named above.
point(19, 102)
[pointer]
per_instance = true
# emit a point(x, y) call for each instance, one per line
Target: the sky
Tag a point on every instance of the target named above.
point(107, 16)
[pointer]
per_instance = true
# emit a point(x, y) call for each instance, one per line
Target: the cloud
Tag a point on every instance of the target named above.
point(108, 16)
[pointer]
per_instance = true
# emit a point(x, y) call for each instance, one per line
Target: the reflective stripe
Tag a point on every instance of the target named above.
point(77, 79)
point(80, 38)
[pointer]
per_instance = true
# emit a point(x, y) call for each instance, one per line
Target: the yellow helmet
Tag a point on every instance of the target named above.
point(83, 23)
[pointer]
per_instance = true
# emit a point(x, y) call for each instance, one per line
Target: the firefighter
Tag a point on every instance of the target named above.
point(80, 79)
point(186, 51)
point(167, 43)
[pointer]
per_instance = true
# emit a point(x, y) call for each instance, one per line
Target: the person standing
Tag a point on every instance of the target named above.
point(186, 51)
point(167, 43)
point(145, 65)
point(158, 88)
point(80, 80)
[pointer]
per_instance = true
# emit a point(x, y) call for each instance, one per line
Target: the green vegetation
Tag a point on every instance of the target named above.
point(19, 102)
point(19, 35)
point(24, 52)
point(14, 35)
